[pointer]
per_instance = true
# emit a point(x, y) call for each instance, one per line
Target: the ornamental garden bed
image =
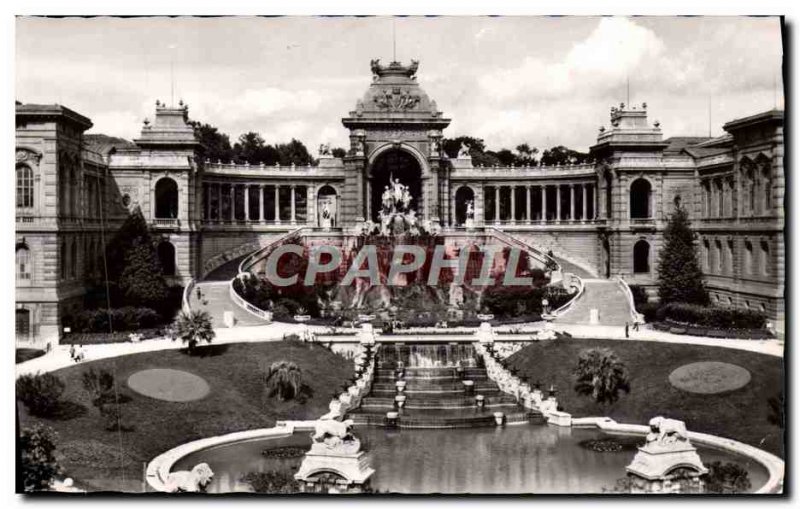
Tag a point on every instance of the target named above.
point(26, 354)
point(97, 338)
point(687, 329)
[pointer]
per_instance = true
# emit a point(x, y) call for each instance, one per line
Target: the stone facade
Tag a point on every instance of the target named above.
point(74, 191)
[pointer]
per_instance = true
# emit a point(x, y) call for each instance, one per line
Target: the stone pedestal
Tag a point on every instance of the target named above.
point(654, 462)
point(667, 454)
point(228, 319)
point(339, 469)
point(594, 316)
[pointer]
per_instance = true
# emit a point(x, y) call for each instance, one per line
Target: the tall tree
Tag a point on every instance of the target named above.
point(679, 276)
point(214, 145)
point(249, 148)
point(294, 152)
point(563, 155)
point(142, 280)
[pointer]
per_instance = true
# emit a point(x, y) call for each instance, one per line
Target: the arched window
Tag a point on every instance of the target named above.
point(609, 194)
point(748, 258)
point(24, 272)
point(465, 204)
point(729, 257)
point(64, 261)
point(641, 257)
point(706, 256)
point(640, 199)
point(720, 198)
point(166, 256)
point(706, 198)
point(166, 199)
point(73, 260)
point(764, 258)
point(24, 187)
point(766, 187)
point(718, 250)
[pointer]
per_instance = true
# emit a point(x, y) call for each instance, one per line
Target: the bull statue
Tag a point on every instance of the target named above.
point(666, 432)
point(192, 481)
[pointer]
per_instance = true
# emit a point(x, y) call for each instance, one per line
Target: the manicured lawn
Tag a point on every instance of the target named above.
point(237, 402)
point(740, 414)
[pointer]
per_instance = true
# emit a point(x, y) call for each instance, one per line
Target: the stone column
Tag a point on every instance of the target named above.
point(543, 191)
point(277, 204)
point(291, 195)
point(311, 206)
point(261, 202)
point(583, 201)
point(572, 202)
point(528, 203)
point(219, 202)
point(247, 202)
point(594, 201)
point(558, 203)
point(513, 203)
point(208, 202)
point(233, 202)
point(496, 204)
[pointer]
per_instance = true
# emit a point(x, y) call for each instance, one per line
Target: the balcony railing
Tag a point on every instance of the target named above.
point(166, 222)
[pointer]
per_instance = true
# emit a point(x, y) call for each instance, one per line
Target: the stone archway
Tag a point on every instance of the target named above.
point(464, 195)
point(397, 164)
point(327, 206)
point(166, 197)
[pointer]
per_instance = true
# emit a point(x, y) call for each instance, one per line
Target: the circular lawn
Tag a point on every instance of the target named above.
point(169, 384)
point(709, 377)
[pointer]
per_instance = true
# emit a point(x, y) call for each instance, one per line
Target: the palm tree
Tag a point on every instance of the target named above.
point(193, 328)
point(284, 378)
point(601, 375)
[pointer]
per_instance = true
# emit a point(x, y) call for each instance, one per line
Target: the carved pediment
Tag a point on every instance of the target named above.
point(27, 155)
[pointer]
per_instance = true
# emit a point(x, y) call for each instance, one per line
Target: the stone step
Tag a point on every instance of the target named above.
point(604, 295)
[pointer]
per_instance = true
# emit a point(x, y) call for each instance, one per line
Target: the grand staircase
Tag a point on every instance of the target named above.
point(436, 396)
point(215, 299)
point(607, 297)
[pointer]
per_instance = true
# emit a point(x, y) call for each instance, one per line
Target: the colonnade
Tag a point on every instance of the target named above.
point(300, 203)
point(556, 202)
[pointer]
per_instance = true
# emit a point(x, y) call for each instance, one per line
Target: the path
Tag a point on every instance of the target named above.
point(607, 297)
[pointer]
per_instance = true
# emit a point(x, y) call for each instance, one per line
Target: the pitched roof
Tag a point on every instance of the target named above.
point(104, 144)
point(676, 144)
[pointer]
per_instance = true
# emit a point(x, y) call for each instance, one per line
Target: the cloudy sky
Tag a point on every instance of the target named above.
point(540, 80)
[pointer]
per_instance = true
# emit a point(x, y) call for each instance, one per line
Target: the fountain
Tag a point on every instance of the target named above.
point(442, 386)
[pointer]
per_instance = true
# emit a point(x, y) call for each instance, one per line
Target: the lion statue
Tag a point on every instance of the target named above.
point(665, 431)
point(191, 482)
point(326, 430)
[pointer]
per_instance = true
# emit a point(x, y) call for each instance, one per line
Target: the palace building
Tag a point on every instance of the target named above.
point(74, 190)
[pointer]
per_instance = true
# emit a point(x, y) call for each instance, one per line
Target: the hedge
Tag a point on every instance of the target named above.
point(717, 317)
point(126, 318)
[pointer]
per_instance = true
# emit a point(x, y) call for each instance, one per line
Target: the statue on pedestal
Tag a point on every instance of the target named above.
point(463, 152)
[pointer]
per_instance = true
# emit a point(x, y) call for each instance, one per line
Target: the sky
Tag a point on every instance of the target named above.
point(544, 81)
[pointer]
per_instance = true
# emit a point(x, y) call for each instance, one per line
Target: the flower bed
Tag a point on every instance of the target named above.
point(711, 317)
point(97, 338)
point(674, 327)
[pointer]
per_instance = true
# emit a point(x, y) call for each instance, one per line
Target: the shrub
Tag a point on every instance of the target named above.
point(284, 378)
point(708, 316)
point(37, 447)
point(272, 482)
point(726, 478)
point(122, 319)
point(100, 386)
point(193, 328)
point(639, 295)
point(601, 375)
point(649, 310)
point(41, 394)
